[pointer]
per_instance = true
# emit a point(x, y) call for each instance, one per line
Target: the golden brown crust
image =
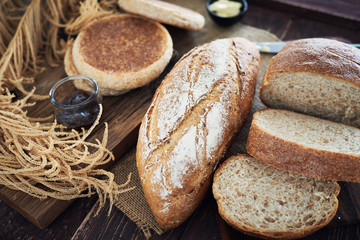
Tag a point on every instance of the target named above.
point(127, 51)
point(164, 12)
point(194, 114)
point(122, 52)
point(316, 55)
point(69, 66)
point(299, 159)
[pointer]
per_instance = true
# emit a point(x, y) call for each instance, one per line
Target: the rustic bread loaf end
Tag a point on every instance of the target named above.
point(315, 76)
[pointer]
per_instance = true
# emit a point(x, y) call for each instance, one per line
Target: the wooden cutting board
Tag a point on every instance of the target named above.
point(123, 115)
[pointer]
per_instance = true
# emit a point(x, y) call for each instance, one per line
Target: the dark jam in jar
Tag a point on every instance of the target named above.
point(81, 113)
point(76, 99)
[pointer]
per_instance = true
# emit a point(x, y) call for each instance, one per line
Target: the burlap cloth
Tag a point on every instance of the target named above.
point(133, 203)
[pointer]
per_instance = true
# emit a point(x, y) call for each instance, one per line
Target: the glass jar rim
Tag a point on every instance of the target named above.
point(69, 78)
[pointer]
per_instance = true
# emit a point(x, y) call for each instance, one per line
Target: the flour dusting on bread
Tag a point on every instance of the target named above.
point(190, 87)
point(194, 115)
point(178, 162)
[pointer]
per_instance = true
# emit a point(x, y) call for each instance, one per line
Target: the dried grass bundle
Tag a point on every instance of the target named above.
point(19, 64)
point(55, 47)
point(9, 19)
point(89, 10)
point(110, 5)
point(58, 14)
point(46, 159)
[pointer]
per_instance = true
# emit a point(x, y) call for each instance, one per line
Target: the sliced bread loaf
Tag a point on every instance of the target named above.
point(265, 202)
point(315, 76)
point(306, 145)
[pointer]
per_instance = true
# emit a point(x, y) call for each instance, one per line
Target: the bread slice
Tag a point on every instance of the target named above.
point(319, 77)
point(164, 12)
point(306, 145)
point(265, 202)
point(122, 52)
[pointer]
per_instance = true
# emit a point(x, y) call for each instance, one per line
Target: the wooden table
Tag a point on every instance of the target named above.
point(288, 19)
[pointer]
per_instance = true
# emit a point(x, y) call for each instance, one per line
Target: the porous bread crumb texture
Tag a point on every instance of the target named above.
point(267, 202)
point(314, 94)
point(311, 132)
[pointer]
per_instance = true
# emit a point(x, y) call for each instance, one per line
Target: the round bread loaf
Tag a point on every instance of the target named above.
point(165, 12)
point(121, 52)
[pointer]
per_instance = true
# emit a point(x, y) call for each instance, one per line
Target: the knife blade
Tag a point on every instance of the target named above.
point(275, 47)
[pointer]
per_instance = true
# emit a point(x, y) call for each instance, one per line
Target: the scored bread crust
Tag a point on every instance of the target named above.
point(165, 12)
point(194, 115)
point(237, 183)
point(296, 157)
point(334, 62)
point(122, 52)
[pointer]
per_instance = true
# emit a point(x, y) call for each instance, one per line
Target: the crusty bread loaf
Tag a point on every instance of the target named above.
point(265, 202)
point(316, 76)
point(306, 145)
point(190, 123)
point(121, 52)
point(164, 12)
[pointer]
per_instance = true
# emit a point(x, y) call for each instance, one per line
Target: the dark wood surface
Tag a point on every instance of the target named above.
point(78, 221)
point(336, 12)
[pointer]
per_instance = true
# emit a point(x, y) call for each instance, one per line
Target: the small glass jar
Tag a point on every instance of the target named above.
point(76, 99)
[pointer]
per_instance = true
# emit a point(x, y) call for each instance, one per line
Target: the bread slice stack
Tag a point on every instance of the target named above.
point(287, 188)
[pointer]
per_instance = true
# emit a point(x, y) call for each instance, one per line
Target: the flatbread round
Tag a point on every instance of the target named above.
point(121, 52)
point(164, 12)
